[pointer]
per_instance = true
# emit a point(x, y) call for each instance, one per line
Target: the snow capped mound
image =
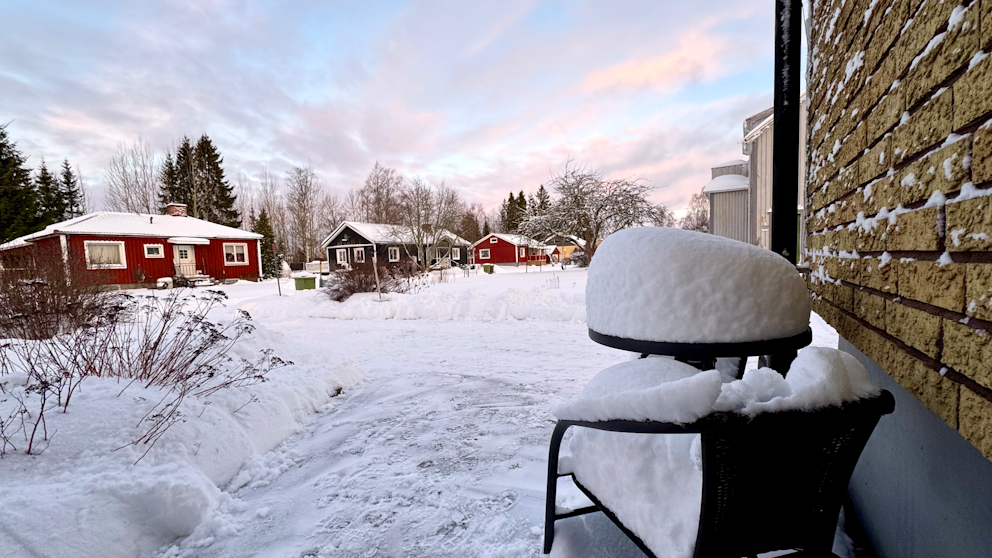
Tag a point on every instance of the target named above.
point(671, 285)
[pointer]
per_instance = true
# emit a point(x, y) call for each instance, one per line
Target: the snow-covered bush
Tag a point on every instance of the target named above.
point(164, 342)
point(362, 279)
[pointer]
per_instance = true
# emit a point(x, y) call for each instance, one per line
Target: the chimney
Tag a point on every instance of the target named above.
point(176, 209)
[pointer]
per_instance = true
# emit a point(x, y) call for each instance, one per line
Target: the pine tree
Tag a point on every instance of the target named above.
point(50, 205)
point(217, 202)
point(486, 231)
point(18, 199)
point(543, 201)
point(168, 177)
point(512, 214)
point(178, 176)
point(71, 189)
point(522, 207)
point(270, 260)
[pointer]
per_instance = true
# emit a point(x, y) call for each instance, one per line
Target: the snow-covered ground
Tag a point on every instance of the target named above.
point(440, 451)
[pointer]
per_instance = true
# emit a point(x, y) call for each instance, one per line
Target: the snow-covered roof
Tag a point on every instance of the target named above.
point(576, 240)
point(726, 183)
point(108, 223)
point(384, 234)
point(515, 239)
point(760, 128)
point(733, 163)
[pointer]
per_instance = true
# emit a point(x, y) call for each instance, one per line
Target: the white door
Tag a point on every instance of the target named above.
point(184, 256)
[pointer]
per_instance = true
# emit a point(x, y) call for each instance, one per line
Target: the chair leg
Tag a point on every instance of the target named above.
point(552, 491)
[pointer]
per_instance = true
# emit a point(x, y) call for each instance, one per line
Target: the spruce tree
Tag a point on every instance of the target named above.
point(522, 205)
point(512, 214)
point(216, 202)
point(50, 206)
point(543, 201)
point(270, 260)
point(73, 198)
point(18, 199)
point(486, 231)
point(168, 177)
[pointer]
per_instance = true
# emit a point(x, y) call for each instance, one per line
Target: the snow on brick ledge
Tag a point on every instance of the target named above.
point(677, 286)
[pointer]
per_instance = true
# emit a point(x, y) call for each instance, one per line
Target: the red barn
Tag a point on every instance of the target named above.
point(500, 248)
point(134, 249)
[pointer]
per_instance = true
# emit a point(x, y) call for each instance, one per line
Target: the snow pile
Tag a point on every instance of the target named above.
point(653, 483)
point(660, 284)
point(89, 487)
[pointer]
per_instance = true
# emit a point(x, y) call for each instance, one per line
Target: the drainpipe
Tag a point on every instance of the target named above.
point(785, 155)
point(785, 146)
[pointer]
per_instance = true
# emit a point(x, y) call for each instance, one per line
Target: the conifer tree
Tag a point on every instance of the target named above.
point(217, 202)
point(50, 203)
point(270, 260)
point(512, 214)
point(18, 199)
point(521, 207)
point(543, 200)
point(486, 231)
point(71, 188)
point(168, 177)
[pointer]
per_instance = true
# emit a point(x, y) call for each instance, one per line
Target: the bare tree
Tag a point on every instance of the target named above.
point(591, 207)
point(245, 199)
point(271, 199)
point(132, 179)
point(429, 213)
point(304, 194)
point(378, 201)
point(697, 214)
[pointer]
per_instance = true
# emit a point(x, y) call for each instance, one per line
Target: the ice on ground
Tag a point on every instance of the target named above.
point(672, 285)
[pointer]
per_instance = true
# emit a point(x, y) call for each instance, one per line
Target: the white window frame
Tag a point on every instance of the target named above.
point(341, 256)
point(243, 245)
point(120, 248)
point(493, 240)
point(394, 253)
point(456, 253)
point(484, 253)
point(359, 254)
point(523, 252)
point(161, 251)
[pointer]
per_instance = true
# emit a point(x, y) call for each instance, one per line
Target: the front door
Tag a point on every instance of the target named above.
point(184, 257)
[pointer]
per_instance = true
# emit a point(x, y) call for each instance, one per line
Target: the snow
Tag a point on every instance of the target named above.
point(386, 234)
point(136, 224)
point(672, 285)
point(653, 484)
point(726, 183)
point(977, 58)
point(440, 451)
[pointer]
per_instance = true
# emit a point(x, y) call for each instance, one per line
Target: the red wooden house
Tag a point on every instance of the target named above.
point(134, 249)
point(516, 249)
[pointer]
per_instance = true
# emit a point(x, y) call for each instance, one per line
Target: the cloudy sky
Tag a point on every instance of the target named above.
point(489, 96)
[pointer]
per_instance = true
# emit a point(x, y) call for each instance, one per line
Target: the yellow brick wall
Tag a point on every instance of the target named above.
point(899, 194)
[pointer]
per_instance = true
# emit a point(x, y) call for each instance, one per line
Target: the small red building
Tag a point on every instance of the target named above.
point(516, 249)
point(134, 249)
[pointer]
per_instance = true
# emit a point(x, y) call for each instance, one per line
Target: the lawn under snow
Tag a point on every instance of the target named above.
point(436, 447)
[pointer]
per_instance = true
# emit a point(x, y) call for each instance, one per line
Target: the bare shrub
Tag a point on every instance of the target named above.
point(362, 279)
point(165, 342)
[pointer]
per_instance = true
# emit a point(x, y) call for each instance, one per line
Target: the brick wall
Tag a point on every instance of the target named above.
point(899, 227)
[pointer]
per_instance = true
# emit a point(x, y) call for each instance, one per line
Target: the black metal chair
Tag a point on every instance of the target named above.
point(772, 482)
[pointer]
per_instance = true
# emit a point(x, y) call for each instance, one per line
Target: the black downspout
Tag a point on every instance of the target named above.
point(785, 144)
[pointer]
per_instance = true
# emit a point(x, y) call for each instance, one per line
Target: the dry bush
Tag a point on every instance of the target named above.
point(165, 342)
point(362, 279)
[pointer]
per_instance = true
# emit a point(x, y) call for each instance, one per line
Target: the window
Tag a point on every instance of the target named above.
point(154, 251)
point(359, 255)
point(523, 252)
point(484, 254)
point(342, 255)
point(456, 253)
point(394, 254)
point(234, 254)
point(493, 240)
point(183, 254)
point(104, 254)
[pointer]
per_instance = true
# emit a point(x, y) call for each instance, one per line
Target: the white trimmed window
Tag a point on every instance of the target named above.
point(493, 240)
point(456, 253)
point(235, 254)
point(484, 254)
point(394, 254)
point(154, 251)
point(101, 254)
point(359, 255)
point(523, 252)
point(342, 255)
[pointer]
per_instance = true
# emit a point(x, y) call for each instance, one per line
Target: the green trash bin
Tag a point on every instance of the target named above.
point(488, 268)
point(305, 283)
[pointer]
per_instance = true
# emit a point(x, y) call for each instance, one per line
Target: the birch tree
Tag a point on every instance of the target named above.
point(429, 212)
point(132, 179)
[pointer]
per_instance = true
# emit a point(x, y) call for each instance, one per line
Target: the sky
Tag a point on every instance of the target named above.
point(491, 97)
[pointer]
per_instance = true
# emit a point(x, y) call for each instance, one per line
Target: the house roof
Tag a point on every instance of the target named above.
point(515, 239)
point(733, 163)
point(575, 240)
point(378, 233)
point(726, 183)
point(107, 223)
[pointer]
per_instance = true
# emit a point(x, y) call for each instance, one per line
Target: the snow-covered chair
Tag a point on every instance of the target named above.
point(696, 297)
point(768, 470)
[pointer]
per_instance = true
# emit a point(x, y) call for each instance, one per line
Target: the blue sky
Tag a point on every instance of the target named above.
point(489, 96)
